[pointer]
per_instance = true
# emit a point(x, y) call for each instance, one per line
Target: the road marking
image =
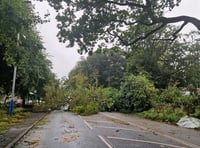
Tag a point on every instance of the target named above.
point(156, 132)
point(88, 125)
point(144, 141)
point(99, 121)
point(106, 143)
point(127, 129)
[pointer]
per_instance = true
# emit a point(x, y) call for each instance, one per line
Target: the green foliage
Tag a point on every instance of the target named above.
point(21, 46)
point(43, 107)
point(105, 67)
point(19, 110)
point(136, 94)
point(109, 97)
point(80, 109)
point(109, 21)
point(84, 96)
point(176, 98)
point(6, 120)
point(170, 95)
point(89, 109)
point(197, 112)
point(54, 97)
point(172, 104)
point(166, 115)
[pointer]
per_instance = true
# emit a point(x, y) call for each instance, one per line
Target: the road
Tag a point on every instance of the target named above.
point(104, 130)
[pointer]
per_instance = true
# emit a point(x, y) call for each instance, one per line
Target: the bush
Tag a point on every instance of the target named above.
point(89, 109)
point(136, 94)
point(79, 109)
point(18, 110)
point(41, 107)
point(197, 112)
point(166, 115)
point(109, 96)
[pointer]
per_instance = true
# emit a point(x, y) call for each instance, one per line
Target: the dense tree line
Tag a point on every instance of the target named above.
point(21, 46)
point(150, 76)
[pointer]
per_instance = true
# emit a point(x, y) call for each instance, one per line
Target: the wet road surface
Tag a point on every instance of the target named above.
point(67, 130)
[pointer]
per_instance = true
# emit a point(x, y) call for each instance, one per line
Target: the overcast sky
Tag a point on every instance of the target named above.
point(64, 59)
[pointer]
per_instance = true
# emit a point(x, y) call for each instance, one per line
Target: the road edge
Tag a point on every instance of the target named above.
point(10, 145)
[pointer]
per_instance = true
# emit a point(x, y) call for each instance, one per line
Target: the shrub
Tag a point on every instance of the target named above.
point(79, 109)
point(197, 112)
point(170, 95)
point(109, 96)
point(136, 94)
point(89, 109)
point(166, 115)
point(18, 110)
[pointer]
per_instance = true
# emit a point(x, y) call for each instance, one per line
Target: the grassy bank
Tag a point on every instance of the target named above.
point(6, 120)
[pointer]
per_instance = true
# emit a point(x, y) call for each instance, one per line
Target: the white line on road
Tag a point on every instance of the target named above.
point(127, 129)
point(99, 121)
point(88, 125)
point(158, 133)
point(109, 146)
point(144, 141)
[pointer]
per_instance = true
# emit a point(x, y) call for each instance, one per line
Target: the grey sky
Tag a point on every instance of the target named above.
point(64, 59)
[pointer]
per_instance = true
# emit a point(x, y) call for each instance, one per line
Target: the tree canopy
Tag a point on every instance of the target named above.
point(104, 67)
point(21, 46)
point(88, 22)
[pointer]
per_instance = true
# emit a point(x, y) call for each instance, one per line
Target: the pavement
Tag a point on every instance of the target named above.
point(17, 131)
point(185, 136)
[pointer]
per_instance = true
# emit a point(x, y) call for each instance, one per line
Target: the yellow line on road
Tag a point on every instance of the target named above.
point(144, 141)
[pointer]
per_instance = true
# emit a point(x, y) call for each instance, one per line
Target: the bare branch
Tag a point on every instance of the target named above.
point(187, 19)
point(119, 37)
point(147, 34)
point(133, 23)
point(177, 31)
point(126, 3)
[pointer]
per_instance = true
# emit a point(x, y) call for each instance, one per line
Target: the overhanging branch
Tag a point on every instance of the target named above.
point(186, 19)
point(126, 3)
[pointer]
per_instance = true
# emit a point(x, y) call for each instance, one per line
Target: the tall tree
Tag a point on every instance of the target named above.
point(26, 52)
point(166, 63)
point(87, 22)
point(105, 67)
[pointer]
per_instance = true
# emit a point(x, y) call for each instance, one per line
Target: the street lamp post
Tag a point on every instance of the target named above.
point(14, 75)
point(13, 84)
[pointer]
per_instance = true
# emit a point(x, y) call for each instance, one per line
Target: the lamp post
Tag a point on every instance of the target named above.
point(13, 84)
point(14, 75)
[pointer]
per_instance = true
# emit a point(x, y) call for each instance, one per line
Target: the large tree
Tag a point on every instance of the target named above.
point(104, 68)
point(167, 63)
point(86, 22)
point(21, 46)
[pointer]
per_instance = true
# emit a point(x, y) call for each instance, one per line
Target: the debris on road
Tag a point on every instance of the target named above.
point(189, 122)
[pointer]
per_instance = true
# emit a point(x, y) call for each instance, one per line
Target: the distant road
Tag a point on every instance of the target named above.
point(104, 130)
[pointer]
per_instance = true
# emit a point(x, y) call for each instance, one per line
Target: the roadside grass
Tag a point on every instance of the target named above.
point(42, 122)
point(6, 120)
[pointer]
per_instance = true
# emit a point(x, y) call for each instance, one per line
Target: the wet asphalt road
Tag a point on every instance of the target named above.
point(67, 130)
